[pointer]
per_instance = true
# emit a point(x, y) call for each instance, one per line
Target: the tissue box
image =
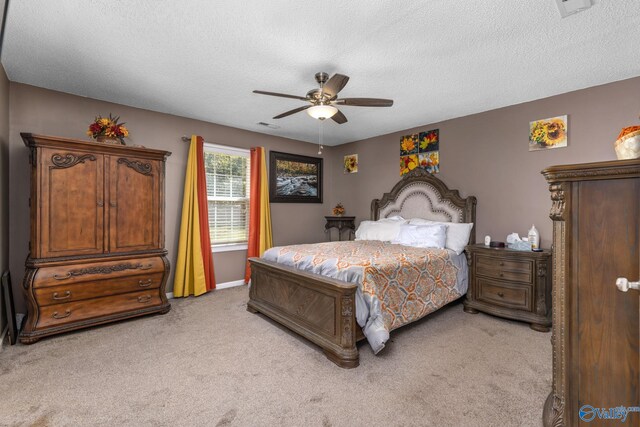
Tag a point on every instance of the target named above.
point(520, 246)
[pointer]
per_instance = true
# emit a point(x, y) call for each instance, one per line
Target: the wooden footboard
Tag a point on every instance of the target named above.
point(318, 308)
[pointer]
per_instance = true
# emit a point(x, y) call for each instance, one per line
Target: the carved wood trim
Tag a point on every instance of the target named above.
point(105, 269)
point(558, 203)
point(600, 170)
point(559, 326)
point(138, 166)
point(39, 262)
point(62, 161)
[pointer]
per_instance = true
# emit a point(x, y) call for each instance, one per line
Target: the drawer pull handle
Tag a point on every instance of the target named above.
point(58, 277)
point(100, 203)
point(144, 284)
point(113, 204)
point(501, 263)
point(66, 295)
point(501, 274)
point(144, 299)
point(146, 267)
point(500, 294)
point(67, 313)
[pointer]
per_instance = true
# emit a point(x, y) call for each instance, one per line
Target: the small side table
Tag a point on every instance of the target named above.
point(341, 223)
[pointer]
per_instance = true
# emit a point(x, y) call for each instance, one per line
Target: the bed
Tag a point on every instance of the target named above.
point(323, 309)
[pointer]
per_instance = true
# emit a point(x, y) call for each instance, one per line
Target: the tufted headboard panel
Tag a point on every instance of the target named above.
point(420, 194)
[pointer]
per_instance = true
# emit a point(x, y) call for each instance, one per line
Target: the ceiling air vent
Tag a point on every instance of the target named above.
point(569, 7)
point(268, 125)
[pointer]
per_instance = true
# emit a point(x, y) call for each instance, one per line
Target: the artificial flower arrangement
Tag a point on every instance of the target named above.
point(338, 210)
point(108, 128)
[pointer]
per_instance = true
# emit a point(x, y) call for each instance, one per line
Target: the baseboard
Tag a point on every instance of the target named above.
point(232, 284)
point(224, 285)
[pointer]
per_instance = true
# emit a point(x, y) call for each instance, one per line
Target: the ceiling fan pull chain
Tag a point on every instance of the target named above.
point(320, 146)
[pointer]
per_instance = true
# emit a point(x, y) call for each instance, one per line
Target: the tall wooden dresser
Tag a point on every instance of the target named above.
point(596, 236)
point(96, 252)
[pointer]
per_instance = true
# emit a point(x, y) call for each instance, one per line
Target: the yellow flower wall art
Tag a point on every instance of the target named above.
point(408, 163)
point(351, 163)
point(548, 133)
point(420, 150)
point(409, 144)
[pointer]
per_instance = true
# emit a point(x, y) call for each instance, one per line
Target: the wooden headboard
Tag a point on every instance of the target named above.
point(420, 194)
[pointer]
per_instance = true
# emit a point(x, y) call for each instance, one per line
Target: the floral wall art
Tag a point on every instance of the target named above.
point(548, 133)
point(420, 150)
point(351, 163)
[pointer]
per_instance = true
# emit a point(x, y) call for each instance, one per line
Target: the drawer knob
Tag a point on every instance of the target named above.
point(144, 299)
point(501, 294)
point(501, 274)
point(144, 284)
point(57, 296)
point(501, 263)
point(67, 313)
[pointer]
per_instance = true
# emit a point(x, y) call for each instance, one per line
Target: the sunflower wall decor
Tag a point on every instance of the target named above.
point(420, 150)
point(548, 133)
point(351, 163)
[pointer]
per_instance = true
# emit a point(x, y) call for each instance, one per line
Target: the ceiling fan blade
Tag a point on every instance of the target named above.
point(364, 102)
point(339, 118)
point(282, 95)
point(335, 85)
point(290, 112)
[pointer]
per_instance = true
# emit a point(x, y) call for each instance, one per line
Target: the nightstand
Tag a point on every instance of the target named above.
point(509, 283)
point(341, 223)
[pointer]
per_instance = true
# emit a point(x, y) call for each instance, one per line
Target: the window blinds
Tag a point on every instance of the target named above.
point(227, 173)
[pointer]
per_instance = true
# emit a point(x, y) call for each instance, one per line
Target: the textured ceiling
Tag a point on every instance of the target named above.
point(437, 59)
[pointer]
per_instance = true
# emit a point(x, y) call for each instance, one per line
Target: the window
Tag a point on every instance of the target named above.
point(227, 171)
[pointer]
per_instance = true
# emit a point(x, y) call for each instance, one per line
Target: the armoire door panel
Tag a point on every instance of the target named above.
point(607, 245)
point(134, 204)
point(72, 209)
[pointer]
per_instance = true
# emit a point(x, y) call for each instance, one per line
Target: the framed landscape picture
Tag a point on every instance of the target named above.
point(294, 178)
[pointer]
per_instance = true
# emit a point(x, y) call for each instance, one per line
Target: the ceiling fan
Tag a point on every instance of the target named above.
point(323, 100)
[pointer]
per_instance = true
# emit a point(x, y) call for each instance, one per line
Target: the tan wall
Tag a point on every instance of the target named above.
point(486, 155)
point(4, 185)
point(47, 112)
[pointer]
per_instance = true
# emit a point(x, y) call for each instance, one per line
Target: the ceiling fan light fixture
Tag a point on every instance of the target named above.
point(322, 112)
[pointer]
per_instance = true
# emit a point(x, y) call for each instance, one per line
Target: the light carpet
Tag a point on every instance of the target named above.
point(209, 362)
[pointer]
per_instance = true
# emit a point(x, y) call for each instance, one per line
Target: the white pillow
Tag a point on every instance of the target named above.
point(422, 236)
point(384, 230)
point(457, 233)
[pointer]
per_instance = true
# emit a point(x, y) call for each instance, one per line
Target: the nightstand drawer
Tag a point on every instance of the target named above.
point(505, 294)
point(506, 269)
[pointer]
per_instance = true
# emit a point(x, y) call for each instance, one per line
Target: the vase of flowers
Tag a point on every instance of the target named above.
point(338, 210)
point(108, 130)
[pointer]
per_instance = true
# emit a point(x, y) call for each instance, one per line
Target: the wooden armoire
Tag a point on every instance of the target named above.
point(596, 237)
point(96, 252)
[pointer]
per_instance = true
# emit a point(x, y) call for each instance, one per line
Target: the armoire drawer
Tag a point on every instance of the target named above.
point(96, 289)
point(71, 312)
point(505, 294)
point(89, 272)
point(506, 269)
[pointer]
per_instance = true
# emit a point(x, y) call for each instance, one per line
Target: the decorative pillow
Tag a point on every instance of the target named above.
point(422, 236)
point(457, 233)
point(384, 230)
